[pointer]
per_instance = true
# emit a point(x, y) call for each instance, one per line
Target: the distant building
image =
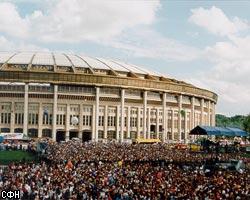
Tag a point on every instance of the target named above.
point(64, 96)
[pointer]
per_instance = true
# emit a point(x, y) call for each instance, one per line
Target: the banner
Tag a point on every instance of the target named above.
point(12, 136)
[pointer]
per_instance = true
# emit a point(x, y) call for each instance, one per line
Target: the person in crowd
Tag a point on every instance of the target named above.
point(88, 171)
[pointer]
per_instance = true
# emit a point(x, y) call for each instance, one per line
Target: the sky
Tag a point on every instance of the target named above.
point(205, 43)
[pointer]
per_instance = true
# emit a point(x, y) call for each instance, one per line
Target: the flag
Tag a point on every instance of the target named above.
point(69, 165)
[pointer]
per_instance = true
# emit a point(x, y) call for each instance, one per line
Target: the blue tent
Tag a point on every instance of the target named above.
point(238, 132)
point(218, 131)
point(1, 139)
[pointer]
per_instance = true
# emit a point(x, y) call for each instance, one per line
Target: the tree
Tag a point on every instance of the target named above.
point(182, 113)
point(235, 121)
point(246, 124)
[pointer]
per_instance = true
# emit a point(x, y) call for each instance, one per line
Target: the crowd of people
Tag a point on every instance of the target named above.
point(75, 170)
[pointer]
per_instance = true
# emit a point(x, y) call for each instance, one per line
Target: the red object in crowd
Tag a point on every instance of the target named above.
point(69, 165)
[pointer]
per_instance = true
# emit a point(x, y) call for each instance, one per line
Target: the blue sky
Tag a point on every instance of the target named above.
point(206, 43)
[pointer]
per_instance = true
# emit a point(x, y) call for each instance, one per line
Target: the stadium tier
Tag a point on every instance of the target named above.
point(65, 96)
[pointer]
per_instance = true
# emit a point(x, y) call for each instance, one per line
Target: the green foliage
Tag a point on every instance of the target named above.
point(246, 124)
point(235, 121)
point(182, 113)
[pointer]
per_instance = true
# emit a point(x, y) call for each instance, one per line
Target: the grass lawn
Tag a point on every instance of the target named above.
point(247, 155)
point(7, 157)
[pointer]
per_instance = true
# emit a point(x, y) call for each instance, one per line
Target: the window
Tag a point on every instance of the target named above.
point(60, 119)
point(19, 118)
point(111, 120)
point(101, 121)
point(87, 120)
point(5, 118)
point(47, 119)
point(133, 122)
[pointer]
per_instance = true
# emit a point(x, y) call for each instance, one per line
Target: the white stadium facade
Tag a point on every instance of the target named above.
point(63, 96)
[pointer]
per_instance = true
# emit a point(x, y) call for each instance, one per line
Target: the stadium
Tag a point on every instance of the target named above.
point(65, 96)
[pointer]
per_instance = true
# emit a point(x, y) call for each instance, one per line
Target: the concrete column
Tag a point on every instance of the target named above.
point(138, 122)
point(12, 117)
point(157, 123)
point(185, 128)
point(173, 128)
point(25, 113)
point(93, 124)
point(105, 122)
point(202, 112)
point(67, 136)
point(213, 114)
point(97, 99)
point(192, 113)
point(164, 117)
point(128, 122)
point(148, 128)
point(122, 114)
point(209, 113)
point(54, 113)
point(179, 116)
point(40, 120)
point(67, 122)
point(117, 123)
point(80, 121)
point(144, 114)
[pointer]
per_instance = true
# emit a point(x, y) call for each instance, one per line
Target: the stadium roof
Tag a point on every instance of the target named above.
point(218, 131)
point(66, 68)
point(69, 60)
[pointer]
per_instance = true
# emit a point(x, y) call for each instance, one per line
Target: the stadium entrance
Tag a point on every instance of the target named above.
point(86, 136)
point(60, 136)
point(153, 131)
point(73, 134)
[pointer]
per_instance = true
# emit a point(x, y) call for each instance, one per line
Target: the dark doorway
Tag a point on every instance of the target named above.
point(111, 135)
point(47, 133)
point(182, 135)
point(73, 134)
point(5, 130)
point(133, 135)
point(160, 128)
point(33, 133)
point(169, 136)
point(60, 136)
point(153, 128)
point(100, 134)
point(86, 136)
point(18, 130)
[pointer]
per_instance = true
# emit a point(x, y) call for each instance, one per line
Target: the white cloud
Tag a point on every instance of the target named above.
point(229, 60)
point(215, 21)
point(110, 23)
point(193, 34)
point(233, 97)
point(77, 20)
point(10, 21)
point(148, 43)
point(7, 45)
point(229, 74)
